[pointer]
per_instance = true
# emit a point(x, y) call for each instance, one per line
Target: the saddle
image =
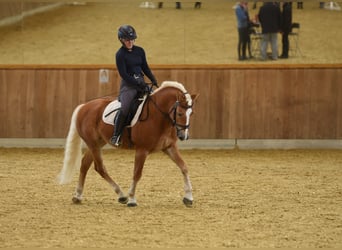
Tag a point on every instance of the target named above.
point(112, 109)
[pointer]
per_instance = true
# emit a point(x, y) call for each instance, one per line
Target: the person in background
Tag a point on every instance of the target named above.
point(198, 5)
point(299, 5)
point(286, 23)
point(242, 25)
point(269, 17)
point(132, 66)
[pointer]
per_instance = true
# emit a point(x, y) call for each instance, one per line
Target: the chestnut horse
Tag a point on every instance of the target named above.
point(164, 118)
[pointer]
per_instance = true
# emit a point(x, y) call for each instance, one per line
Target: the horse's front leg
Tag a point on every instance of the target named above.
point(140, 157)
point(174, 154)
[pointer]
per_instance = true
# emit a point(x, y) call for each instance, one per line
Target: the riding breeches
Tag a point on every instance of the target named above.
point(126, 97)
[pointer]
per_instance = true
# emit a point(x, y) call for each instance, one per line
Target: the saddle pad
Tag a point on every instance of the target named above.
point(110, 112)
point(112, 108)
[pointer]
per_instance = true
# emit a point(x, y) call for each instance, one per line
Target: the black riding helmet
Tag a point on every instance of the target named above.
point(127, 32)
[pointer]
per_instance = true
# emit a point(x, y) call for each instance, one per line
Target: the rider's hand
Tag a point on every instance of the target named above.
point(141, 82)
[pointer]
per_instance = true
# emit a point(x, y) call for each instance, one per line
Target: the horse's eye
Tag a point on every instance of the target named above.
point(179, 114)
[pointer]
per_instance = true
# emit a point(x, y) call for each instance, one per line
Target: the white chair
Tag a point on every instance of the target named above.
point(294, 40)
point(256, 38)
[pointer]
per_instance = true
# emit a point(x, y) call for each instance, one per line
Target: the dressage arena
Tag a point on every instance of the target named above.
point(242, 198)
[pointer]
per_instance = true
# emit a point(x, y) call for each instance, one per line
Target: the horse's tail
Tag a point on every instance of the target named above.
point(72, 152)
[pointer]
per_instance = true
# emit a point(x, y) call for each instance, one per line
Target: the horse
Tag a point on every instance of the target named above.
point(164, 118)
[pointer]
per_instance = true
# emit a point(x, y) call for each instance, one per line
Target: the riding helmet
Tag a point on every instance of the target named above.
point(127, 32)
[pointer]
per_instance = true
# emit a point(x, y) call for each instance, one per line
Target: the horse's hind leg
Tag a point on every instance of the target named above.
point(100, 168)
point(174, 154)
point(86, 162)
point(140, 157)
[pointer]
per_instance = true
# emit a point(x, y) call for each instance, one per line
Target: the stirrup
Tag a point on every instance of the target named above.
point(115, 140)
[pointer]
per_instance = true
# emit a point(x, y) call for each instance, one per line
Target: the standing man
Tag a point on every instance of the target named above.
point(270, 19)
point(286, 23)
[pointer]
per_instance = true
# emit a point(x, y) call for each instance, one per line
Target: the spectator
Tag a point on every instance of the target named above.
point(299, 5)
point(286, 23)
point(179, 5)
point(270, 19)
point(242, 25)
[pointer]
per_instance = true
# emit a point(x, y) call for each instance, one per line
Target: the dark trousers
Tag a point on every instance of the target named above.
point(126, 97)
point(285, 44)
point(242, 44)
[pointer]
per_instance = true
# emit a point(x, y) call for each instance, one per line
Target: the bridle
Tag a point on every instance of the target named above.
point(171, 115)
point(180, 127)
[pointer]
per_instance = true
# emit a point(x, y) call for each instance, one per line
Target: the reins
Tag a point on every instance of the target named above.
point(148, 109)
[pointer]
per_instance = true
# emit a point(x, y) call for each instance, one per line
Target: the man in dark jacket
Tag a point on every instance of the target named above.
point(286, 23)
point(270, 19)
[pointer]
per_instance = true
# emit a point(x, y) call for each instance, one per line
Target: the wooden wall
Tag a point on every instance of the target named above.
point(242, 102)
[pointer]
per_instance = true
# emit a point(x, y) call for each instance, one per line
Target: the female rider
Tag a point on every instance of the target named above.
point(132, 66)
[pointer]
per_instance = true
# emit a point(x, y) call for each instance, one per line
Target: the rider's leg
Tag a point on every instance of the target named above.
point(127, 95)
point(119, 124)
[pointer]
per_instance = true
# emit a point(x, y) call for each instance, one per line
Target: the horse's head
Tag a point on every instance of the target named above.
point(179, 104)
point(180, 114)
point(181, 109)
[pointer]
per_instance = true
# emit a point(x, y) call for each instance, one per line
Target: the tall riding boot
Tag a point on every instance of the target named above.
point(119, 124)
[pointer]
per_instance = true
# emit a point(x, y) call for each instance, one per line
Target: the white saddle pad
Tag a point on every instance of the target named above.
point(112, 108)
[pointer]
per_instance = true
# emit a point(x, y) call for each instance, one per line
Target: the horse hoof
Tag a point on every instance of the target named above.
point(123, 200)
point(76, 200)
point(132, 204)
point(187, 202)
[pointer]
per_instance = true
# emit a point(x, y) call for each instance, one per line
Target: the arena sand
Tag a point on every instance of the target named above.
point(271, 198)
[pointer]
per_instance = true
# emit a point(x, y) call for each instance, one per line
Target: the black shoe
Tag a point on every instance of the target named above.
point(242, 58)
point(283, 57)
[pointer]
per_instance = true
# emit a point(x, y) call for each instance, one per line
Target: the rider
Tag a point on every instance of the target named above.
point(132, 65)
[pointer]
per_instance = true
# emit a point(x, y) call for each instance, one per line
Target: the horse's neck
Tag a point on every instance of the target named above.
point(158, 107)
point(166, 98)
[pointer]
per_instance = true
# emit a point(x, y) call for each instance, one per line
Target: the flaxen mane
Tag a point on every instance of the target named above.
point(177, 85)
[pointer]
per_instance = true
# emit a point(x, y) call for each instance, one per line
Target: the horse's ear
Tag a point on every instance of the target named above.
point(194, 97)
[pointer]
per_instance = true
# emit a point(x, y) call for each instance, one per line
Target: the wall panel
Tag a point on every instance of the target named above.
point(243, 102)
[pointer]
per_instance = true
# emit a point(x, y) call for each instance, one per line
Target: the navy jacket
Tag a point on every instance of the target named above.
point(132, 62)
point(270, 17)
point(286, 21)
